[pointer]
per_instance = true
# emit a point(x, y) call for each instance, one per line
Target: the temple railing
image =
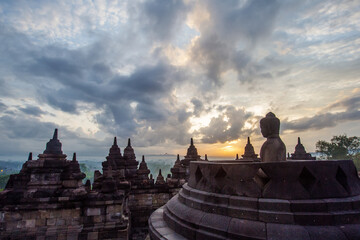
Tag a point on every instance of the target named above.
point(277, 180)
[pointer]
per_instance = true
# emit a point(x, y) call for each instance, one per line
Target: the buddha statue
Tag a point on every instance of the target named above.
point(273, 149)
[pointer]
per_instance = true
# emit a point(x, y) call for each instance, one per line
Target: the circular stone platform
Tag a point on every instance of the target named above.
point(277, 200)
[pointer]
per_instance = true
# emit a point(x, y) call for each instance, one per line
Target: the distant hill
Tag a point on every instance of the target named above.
point(154, 163)
point(6, 169)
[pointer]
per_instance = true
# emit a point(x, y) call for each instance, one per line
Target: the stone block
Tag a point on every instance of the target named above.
point(63, 199)
point(274, 205)
point(54, 213)
point(12, 216)
point(241, 228)
point(44, 199)
point(217, 223)
point(51, 238)
point(325, 233)
point(61, 237)
point(98, 219)
point(72, 236)
point(334, 204)
point(30, 223)
point(110, 209)
point(66, 213)
point(243, 202)
point(118, 208)
point(285, 232)
point(76, 220)
point(356, 202)
point(75, 213)
point(346, 217)
point(313, 218)
point(40, 222)
point(93, 211)
point(352, 231)
point(70, 183)
point(44, 214)
point(60, 222)
point(212, 208)
point(93, 236)
point(11, 226)
point(244, 213)
point(21, 224)
point(50, 222)
point(276, 217)
point(315, 205)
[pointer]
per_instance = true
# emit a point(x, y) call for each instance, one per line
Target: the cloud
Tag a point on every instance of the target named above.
point(128, 103)
point(230, 36)
point(3, 107)
point(23, 133)
point(198, 106)
point(320, 121)
point(32, 110)
point(325, 119)
point(108, 63)
point(350, 103)
point(228, 126)
point(162, 19)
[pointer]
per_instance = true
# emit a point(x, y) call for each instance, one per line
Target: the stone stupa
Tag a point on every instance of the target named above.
point(272, 199)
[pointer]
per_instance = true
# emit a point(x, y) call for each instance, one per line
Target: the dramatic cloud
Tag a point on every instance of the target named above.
point(228, 126)
point(325, 119)
point(161, 72)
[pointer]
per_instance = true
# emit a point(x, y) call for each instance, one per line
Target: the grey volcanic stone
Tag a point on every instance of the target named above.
point(296, 198)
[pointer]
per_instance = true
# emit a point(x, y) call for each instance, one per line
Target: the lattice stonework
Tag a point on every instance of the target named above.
point(260, 178)
point(198, 174)
point(342, 179)
point(307, 179)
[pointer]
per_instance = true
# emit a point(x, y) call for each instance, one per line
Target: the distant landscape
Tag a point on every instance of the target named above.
point(154, 163)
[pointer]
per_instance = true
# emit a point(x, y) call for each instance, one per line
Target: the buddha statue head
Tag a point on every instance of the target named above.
point(270, 126)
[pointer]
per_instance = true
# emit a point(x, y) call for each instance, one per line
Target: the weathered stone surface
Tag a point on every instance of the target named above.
point(246, 229)
point(286, 207)
point(48, 200)
point(286, 231)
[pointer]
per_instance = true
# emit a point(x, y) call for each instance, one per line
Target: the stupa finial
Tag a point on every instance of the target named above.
point(30, 156)
point(129, 142)
point(55, 136)
point(191, 142)
point(115, 141)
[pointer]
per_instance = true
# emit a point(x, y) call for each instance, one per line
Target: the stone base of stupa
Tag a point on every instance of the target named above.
point(284, 200)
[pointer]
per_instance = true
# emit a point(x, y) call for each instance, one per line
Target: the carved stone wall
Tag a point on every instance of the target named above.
point(64, 220)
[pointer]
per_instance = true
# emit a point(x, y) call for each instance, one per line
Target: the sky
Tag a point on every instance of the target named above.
point(161, 72)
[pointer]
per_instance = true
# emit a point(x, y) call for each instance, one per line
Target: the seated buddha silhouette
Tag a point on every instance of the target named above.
point(273, 149)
